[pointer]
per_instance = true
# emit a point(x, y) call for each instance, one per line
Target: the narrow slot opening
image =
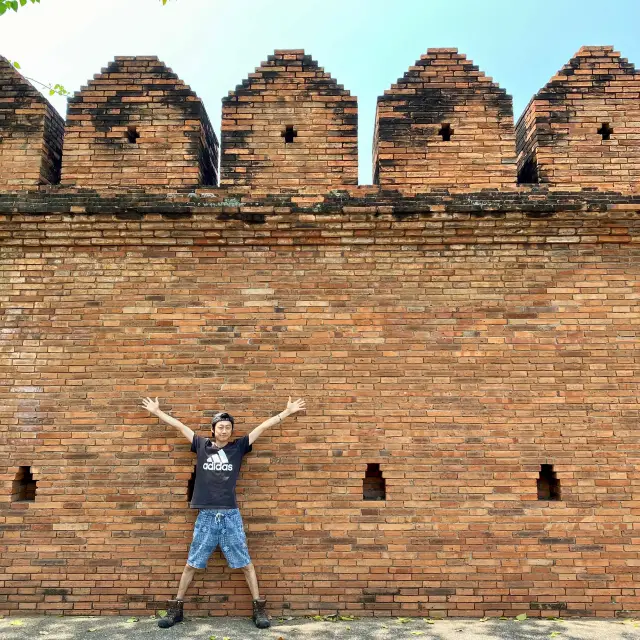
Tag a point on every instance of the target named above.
point(132, 135)
point(373, 485)
point(528, 173)
point(24, 486)
point(289, 134)
point(446, 132)
point(548, 483)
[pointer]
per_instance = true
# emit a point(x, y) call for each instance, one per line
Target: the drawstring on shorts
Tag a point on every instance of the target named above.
point(221, 518)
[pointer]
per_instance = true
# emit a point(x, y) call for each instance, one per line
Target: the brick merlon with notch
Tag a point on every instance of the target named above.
point(31, 133)
point(444, 124)
point(289, 126)
point(582, 129)
point(137, 124)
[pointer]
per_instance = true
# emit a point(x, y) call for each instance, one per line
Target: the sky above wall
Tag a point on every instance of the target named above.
point(365, 44)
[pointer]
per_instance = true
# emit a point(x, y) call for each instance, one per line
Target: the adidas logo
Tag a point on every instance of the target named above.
point(218, 462)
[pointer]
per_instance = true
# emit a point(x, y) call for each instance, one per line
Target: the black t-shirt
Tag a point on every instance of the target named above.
point(217, 472)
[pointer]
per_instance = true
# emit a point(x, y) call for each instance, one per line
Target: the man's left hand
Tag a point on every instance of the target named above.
point(294, 407)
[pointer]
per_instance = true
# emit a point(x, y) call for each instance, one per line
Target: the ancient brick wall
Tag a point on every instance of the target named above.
point(581, 129)
point(469, 360)
point(289, 126)
point(31, 133)
point(458, 351)
point(444, 125)
point(136, 124)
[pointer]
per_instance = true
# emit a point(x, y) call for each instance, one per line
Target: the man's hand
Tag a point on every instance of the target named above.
point(154, 407)
point(294, 407)
point(151, 406)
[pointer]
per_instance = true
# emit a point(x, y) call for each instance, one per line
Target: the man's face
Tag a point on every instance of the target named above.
point(222, 431)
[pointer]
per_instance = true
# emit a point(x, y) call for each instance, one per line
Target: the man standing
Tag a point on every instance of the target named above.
point(214, 493)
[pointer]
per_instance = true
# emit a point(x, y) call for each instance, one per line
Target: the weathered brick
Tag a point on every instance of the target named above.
point(289, 126)
point(581, 129)
point(450, 341)
point(136, 124)
point(444, 125)
point(31, 133)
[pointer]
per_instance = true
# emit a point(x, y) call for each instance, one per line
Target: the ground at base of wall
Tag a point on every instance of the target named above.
point(121, 628)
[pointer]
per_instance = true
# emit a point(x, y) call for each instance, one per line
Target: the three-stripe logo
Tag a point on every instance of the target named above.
point(218, 462)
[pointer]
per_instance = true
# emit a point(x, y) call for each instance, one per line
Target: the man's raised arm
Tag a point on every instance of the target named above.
point(292, 407)
point(154, 407)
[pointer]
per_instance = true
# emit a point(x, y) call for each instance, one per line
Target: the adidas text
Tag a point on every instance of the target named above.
point(217, 466)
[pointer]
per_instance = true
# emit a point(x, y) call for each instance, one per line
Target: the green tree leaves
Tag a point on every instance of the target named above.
point(14, 5)
point(59, 90)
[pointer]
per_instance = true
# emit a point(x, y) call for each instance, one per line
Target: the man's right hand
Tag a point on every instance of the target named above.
point(154, 407)
point(151, 406)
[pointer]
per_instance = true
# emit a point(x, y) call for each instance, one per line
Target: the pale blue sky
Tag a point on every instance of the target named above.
point(365, 44)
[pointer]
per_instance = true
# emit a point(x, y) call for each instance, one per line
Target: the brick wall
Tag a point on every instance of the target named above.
point(466, 348)
point(581, 129)
point(31, 133)
point(459, 342)
point(289, 126)
point(444, 125)
point(136, 124)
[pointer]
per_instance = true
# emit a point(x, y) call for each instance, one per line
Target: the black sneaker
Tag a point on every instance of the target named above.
point(174, 614)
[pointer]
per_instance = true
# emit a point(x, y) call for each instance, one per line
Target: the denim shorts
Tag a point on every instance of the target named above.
point(219, 527)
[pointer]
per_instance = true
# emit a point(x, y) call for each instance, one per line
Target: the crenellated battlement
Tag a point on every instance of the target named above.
point(444, 124)
point(467, 344)
point(137, 124)
point(582, 128)
point(289, 127)
point(31, 133)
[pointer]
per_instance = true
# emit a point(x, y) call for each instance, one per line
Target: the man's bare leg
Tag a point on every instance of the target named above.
point(185, 581)
point(252, 580)
point(260, 618)
point(175, 609)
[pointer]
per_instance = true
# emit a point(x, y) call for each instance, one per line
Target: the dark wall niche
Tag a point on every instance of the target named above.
point(24, 487)
point(605, 131)
point(548, 483)
point(446, 132)
point(373, 485)
point(132, 135)
point(289, 134)
point(528, 173)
